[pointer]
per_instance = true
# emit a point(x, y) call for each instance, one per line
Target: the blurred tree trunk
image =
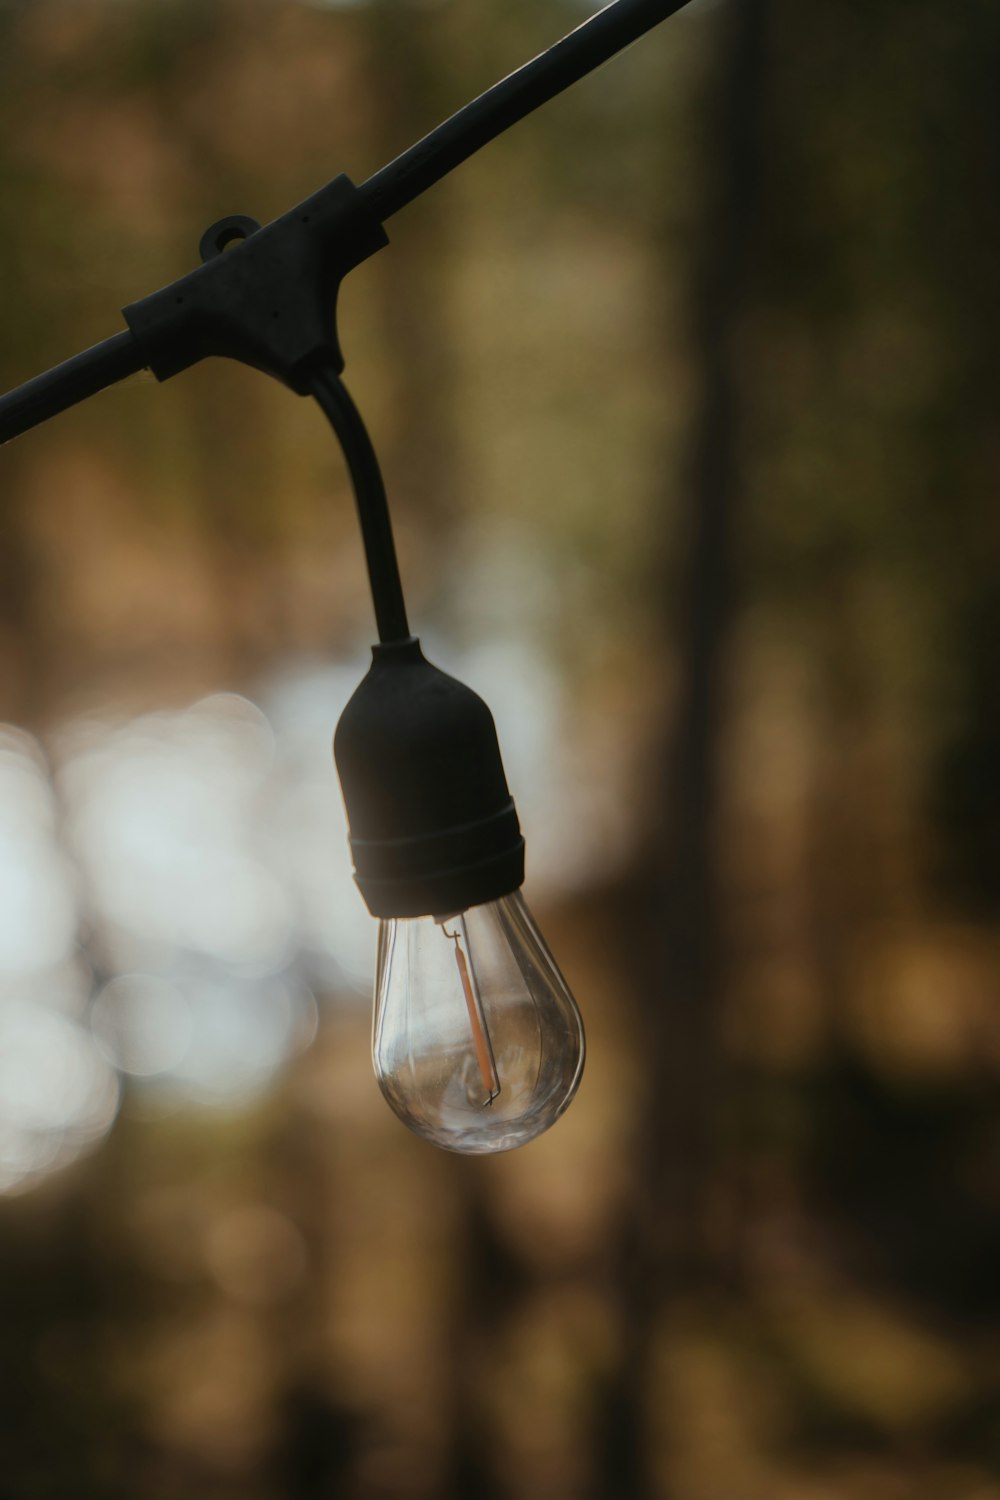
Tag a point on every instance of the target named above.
point(487, 1290)
point(319, 1438)
point(663, 1252)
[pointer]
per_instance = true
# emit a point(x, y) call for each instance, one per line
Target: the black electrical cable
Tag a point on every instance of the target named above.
point(373, 507)
point(548, 74)
point(84, 375)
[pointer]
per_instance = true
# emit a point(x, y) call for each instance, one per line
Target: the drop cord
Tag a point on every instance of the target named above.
point(373, 507)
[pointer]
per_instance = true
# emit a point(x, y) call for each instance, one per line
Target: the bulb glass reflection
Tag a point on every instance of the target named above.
point(477, 1042)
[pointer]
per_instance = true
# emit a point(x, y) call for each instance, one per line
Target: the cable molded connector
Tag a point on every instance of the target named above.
point(269, 300)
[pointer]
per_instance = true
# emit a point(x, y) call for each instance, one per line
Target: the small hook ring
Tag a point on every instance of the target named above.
point(229, 231)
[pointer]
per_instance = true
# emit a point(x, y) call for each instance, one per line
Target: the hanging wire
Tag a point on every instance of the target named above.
point(373, 508)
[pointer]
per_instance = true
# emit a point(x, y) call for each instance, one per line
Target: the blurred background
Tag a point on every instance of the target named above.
point(683, 395)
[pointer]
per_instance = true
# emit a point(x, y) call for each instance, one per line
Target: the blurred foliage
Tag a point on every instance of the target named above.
point(687, 387)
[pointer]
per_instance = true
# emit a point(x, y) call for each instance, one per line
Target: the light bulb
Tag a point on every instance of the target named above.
point(477, 1042)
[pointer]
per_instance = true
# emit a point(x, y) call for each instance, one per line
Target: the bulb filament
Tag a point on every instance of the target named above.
point(480, 1034)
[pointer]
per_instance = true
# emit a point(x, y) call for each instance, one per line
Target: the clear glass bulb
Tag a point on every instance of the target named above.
point(477, 1042)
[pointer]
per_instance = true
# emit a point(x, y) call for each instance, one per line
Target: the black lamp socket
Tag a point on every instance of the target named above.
point(433, 828)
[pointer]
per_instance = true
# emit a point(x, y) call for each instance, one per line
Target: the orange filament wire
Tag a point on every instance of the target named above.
point(487, 1067)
